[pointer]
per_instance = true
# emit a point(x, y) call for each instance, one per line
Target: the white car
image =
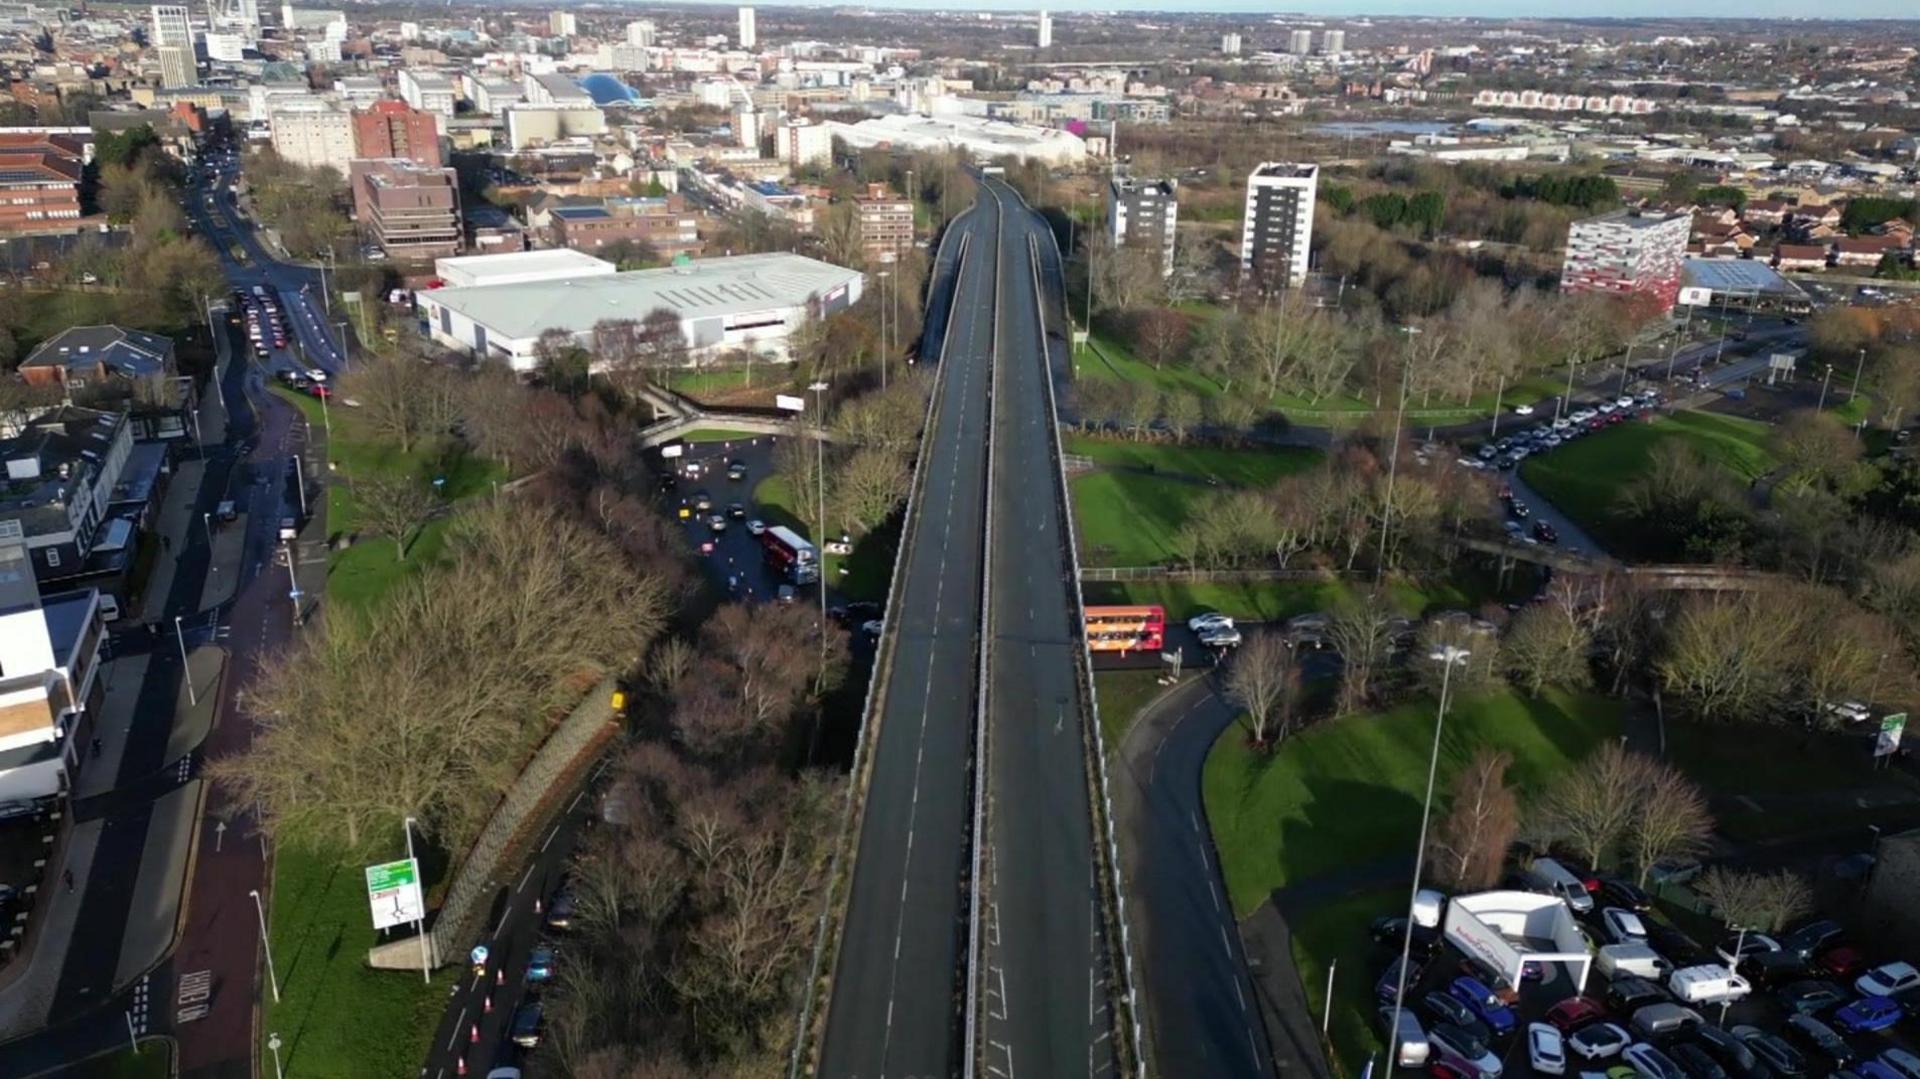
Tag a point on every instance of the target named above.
point(756, 526)
point(1201, 623)
point(1851, 711)
point(1652, 1063)
point(316, 374)
point(1582, 416)
point(1887, 980)
point(1563, 423)
point(1221, 637)
point(1599, 1041)
point(1546, 1049)
point(1623, 401)
point(1523, 410)
point(1623, 926)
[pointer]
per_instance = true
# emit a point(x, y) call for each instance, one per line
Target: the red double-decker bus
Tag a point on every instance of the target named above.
point(1126, 629)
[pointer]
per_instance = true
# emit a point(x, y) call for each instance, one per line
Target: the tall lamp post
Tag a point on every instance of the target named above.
point(1448, 656)
point(273, 1043)
point(266, 943)
point(186, 672)
point(1393, 459)
point(1859, 365)
point(820, 483)
point(886, 352)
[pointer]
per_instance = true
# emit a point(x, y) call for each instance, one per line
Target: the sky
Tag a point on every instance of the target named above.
point(1742, 9)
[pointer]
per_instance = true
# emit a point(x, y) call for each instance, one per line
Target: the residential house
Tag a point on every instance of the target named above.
point(119, 369)
point(1799, 257)
point(1771, 213)
point(1865, 251)
point(50, 688)
point(62, 473)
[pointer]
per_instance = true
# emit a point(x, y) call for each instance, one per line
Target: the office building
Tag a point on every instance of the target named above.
point(886, 223)
point(641, 32)
point(803, 143)
point(746, 126)
point(1230, 44)
point(393, 129)
point(1628, 253)
point(562, 24)
point(1333, 42)
point(1044, 39)
point(536, 125)
point(224, 48)
point(412, 211)
point(725, 306)
point(1300, 42)
point(1276, 224)
point(316, 135)
point(554, 89)
point(749, 36)
point(172, 38)
point(1142, 214)
point(428, 91)
point(662, 223)
point(49, 681)
point(40, 179)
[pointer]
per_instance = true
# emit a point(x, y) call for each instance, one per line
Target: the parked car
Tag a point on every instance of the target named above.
point(1783, 1059)
point(1388, 986)
point(1870, 1069)
point(1615, 960)
point(1463, 1052)
point(1820, 1040)
point(1811, 997)
point(1673, 944)
point(1775, 968)
point(1414, 1050)
point(1200, 623)
point(1697, 1062)
point(1813, 938)
point(1623, 926)
point(1731, 1052)
point(525, 1030)
point(560, 910)
point(1492, 1011)
point(1750, 945)
point(1546, 1049)
point(1652, 1063)
point(1888, 979)
point(1599, 1041)
point(1224, 637)
point(1550, 877)
point(1442, 1008)
point(1869, 1014)
point(1708, 983)
point(1574, 1013)
point(1619, 893)
point(540, 964)
point(1545, 532)
point(1901, 1061)
point(1523, 410)
point(1627, 994)
point(1663, 1020)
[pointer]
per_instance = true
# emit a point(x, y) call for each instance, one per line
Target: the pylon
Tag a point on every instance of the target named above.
point(536, 904)
point(474, 1034)
point(500, 976)
point(486, 1005)
point(460, 1066)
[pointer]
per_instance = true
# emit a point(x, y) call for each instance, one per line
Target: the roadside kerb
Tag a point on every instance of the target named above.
point(819, 985)
point(983, 656)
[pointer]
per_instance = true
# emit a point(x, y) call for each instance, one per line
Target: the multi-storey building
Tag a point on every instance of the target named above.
point(393, 129)
point(412, 211)
point(641, 33)
point(664, 224)
point(1230, 44)
point(1333, 42)
point(1141, 214)
point(61, 471)
point(1276, 225)
point(562, 24)
point(49, 681)
point(172, 38)
point(1044, 37)
point(39, 181)
point(1300, 42)
point(886, 223)
point(802, 144)
point(428, 91)
point(1628, 253)
point(316, 135)
point(749, 34)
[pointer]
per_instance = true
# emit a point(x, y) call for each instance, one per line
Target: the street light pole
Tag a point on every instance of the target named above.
point(273, 1043)
point(266, 943)
point(1740, 941)
point(293, 581)
point(820, 483)
point(1393, 459)
point(1499, 398)
point(1448, 656)
point(1859, 366)
point(186, 672)
point(1824, 381)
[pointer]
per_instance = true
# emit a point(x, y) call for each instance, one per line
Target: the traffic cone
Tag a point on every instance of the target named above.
point(460, 1066)
point(473, 1035)
point(536, 905)
point(486, 1005)
point(500, 976)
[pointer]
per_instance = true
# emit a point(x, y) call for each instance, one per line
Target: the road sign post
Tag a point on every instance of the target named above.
point(1891, 728)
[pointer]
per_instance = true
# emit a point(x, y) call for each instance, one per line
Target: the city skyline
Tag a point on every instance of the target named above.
point(1621, 11)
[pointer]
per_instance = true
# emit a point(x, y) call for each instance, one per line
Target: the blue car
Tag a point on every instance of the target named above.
point(1477, 997)
point(1868, 1013)
point(540, 964)
point(1873, 1069)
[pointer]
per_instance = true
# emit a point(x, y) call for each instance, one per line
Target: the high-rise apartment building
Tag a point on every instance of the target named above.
point(802, 143)
point(1045, 37)
point(749, 37)
point(746, 126)
point(562, 24)
point(314, 134)
point(172, 38)
point(1628, 253)
point(410, 210)
point(1230, 44)
point(886, 223)
point(1300, 42)
point(1142, 214)
point(392, 129)
point(1276, 226)
point(1333, 42)
point(641, 32)
point(429, 91)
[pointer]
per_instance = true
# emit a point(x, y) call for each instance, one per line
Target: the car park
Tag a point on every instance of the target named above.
point(1868, 1014)
point(1652, 1063)
point(1599, 1041)
point(1485, 1004)
point(1573, 1013)
point(1888, 979)
point(1750, 945)
point(1462, 1051)
point(1662, 1020)
point(1442, 1008)
point(1546, 1049)
point(1819, 1040)
point(1811, 997)
point(1629, 993)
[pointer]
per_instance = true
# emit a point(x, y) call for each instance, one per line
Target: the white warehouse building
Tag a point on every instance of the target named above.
point(747, 303)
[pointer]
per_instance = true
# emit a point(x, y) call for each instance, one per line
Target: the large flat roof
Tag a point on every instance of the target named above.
point(1738, 276)
point(703, 288)
point(516, 265)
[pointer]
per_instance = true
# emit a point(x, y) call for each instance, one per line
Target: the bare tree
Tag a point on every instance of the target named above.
point(1592, 807)
point(1469, 844)
point(1264, 680)
point(1547, 644)
point(403, 400)
point(1360, 631)
point(1161, 335)
point(1763, 902)
point(394, 506)
point(1671, 820)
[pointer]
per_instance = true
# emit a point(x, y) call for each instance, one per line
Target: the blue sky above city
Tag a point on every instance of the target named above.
point(1625, 9)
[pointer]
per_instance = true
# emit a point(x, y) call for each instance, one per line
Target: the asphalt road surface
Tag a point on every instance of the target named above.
point(1045, 1008)
point(894, 1009)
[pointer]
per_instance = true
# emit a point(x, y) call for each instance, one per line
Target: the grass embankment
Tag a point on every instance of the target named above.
point(1122, 696)
point(862, 575)
point(718, 434)
point(720, 383)
point(337, 1017)
point(1771, 783)
point(365, 571)
point(1585, 479)
point(1338, 804)
point(1131, 507)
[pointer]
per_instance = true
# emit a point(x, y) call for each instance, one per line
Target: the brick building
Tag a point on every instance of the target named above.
point(393, 129)
point(665, 224)
point(410, 210)
point(886, 223)
point(39, 181)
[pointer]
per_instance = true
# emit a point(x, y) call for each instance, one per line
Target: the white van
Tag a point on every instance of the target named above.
point(1414, 1050)
point(1708, 983)
point(1639, 960)
point(109, 608)
point(1548, 876)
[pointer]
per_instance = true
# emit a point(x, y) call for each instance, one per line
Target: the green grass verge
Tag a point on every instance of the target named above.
point(362, 573)
point(1130, 518)
point(1344, 794)
point(1122, 695)
point(862, 575)
point(336, 1016)
point(1334, 935)
point(1771, 782)
point(1585, 479)
point(697, 382)
point(1268, 601)
point(153, 1060)
point(717, 434)
point(1235, 467)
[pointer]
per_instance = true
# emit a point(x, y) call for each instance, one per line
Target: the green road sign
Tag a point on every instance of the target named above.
point(393, 893)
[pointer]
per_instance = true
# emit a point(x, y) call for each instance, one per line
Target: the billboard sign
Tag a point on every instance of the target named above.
point(1891, 728)
point(1482, 943)
point(1694, 296)
point(673, 449)
point(393, 892)
point(790, 403)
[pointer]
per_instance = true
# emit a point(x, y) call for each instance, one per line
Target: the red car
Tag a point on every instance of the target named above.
point(1575, 1012)
point(1842, 962)
point(320, 391)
